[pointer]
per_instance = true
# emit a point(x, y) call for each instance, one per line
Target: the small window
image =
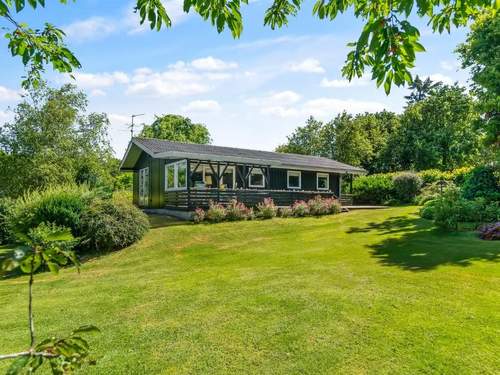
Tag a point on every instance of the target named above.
point(294, 179)
point(322, 181)
point(256, 178)
point(176, 175)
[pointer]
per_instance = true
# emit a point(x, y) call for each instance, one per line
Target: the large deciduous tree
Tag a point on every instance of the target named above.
point(52, 141)
point(386, 46)
point(481, 53)
point(177, 128)
point(438, 132)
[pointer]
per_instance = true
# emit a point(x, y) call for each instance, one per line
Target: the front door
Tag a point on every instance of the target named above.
point(144, 187)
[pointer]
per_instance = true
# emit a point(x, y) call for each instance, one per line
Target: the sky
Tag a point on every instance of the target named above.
point(250, 92)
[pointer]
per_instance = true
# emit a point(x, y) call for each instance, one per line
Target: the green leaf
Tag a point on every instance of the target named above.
point(18, 365)
point(86, 328)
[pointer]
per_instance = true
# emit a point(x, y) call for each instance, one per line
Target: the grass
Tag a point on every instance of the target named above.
point(365, 292)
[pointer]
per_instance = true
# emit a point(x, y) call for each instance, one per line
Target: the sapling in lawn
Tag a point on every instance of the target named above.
point(46, 247)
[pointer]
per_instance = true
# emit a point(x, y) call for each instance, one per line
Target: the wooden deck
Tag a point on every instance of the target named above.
point(194, 198)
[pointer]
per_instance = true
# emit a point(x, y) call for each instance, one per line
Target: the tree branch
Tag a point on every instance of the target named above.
point(28, 353)
point(30, 306)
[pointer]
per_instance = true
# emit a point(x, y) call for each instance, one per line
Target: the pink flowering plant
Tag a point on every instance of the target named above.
point(300, 209)
point(236, 211)
point(267, 209)
point(216, 212)
point(199, 215)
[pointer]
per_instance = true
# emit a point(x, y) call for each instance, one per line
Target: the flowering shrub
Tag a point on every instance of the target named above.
point(317, 206)
point(300, 209)
point(216, 212)
point(199, 215)
point(236, 211)
point(332, 206)
point(267, 209)
point(490, 231)
point(285, 212)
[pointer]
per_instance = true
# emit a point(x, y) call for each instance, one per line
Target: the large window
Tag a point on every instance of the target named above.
point(204, 177)
point(294, 179)
point(322, 181)
point(176, 175)
point(256, 178)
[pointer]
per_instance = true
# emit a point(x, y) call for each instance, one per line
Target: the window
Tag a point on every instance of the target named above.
point(228, 178)
point(294, 179)
point(176, 175)
point(204, 177)
point(256, 178)
point(322, 181)
point(143, 186)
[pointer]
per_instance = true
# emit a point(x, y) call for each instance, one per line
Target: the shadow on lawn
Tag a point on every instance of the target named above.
point(414, 244)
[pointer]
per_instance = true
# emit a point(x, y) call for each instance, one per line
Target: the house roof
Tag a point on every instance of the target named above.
point(159, 148)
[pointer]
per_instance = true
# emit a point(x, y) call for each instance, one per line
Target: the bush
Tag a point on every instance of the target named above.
point(333, 206)
point(216, 212)
point(267, 209)
point(317, 206)
point(236, 211)
point(199, 215)
point(427, 212)
point(109, 224)
point(373, 189)
point(482, 182)
point(61, 205)
point(430, 176)
point(285, 212)
point(5, 206)
point(300, 209)
point(406, 186)
point(450, 209)
point(432, 191)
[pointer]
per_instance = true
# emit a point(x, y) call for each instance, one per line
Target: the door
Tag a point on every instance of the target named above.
point(144, 187)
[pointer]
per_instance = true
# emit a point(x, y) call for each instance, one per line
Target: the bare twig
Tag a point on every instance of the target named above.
point(28, 354)
point(30, 306)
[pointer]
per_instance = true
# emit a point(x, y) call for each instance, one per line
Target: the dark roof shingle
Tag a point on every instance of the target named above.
point(159, 146)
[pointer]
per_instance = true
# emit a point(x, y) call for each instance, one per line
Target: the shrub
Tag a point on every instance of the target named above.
point(490, 231)
point(5, 205)
point(430, 176)
point(285, 212)
point(267, 209)
point(432, 191)
point(427, 212)
point(60, 205)
point(406, 186)
point(300, 209)
point(109, 224)
point(458, 175)
point(236, 211)
point(199, 215)
point(216, 212)
point(373, 189)
point(333, 206)
point(317, 206)
point(482, 182)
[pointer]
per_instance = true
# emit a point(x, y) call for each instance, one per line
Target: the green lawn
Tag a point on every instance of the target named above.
point(365, 292)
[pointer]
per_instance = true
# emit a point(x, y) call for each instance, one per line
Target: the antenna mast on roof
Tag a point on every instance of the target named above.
point(132, 124)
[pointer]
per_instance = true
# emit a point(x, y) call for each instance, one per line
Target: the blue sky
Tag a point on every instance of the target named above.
point(251, 92)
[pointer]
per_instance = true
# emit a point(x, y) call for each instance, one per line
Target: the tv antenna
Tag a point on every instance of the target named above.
point(132, 124)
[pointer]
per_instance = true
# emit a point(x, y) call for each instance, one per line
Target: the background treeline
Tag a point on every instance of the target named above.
point(440, 128)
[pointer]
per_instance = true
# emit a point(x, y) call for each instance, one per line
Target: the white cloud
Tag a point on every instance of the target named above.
point(7, 94)
point(117, 119)
point(97, 92)
point(91, 28)
point(212, 64)
point(100, 80)
point(441, 77)
point(328, 107)
point(341, 83)
point(309, 65)
point(202, 106)
point(287, 104)
point(449, 65)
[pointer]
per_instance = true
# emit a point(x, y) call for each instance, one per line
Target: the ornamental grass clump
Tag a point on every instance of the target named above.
point(285, 212)
point(332, 206)
point(236, 211)
point(317, 206)
point(267, 209)
point(216, 212)
point(300, 209)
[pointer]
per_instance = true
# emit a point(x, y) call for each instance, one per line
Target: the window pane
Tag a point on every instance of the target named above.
point(322, 182)
point(227, 178)
point(294, 180)
point(197, 177)
point(170, 176)
point(256, 179)
point(210, 180)
point(181, 175)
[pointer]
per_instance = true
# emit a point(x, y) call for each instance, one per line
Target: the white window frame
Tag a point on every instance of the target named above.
point(256, 171)
point(143, 182)
point(327, 175)
point(176, 165)
point(293, 173)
